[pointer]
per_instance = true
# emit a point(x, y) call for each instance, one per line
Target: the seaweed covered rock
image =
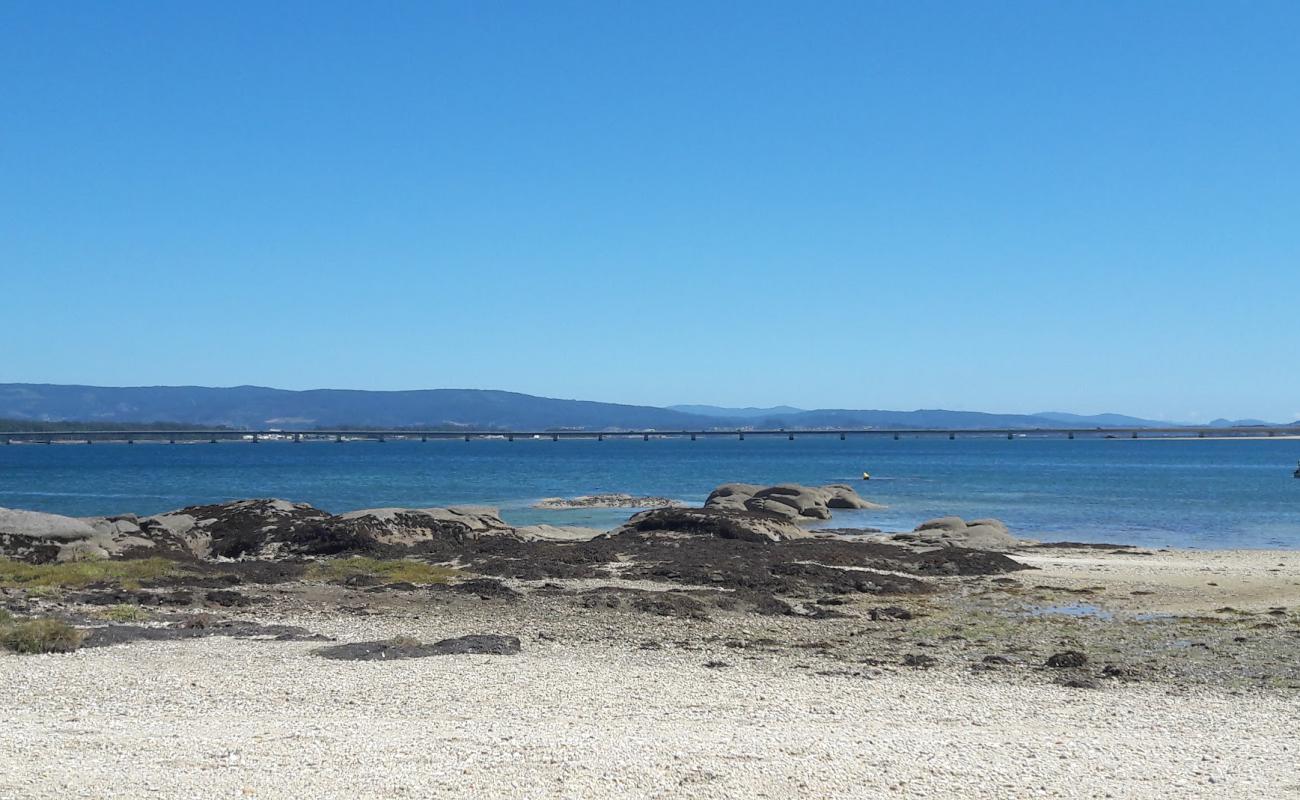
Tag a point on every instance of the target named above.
point(750, 526)
point(238, 529)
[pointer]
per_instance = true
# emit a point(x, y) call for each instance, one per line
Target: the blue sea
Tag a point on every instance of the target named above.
point(1178, 493)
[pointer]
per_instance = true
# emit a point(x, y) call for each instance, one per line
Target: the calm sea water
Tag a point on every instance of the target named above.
point(1198, 493)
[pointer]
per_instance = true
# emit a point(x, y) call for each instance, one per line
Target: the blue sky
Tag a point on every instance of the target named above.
point(1079, 206)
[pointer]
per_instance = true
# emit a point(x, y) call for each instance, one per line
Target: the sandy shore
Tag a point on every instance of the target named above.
point(586, 711)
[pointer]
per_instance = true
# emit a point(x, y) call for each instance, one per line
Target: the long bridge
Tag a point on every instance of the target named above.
point(218, 435)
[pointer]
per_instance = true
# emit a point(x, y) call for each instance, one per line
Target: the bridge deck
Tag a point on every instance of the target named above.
point(342, 434)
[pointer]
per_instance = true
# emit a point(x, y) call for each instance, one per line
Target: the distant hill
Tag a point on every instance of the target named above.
point(1105, 420)
point(736, 413)
point(257, 407)
point(1238, 423)
point(260, 407)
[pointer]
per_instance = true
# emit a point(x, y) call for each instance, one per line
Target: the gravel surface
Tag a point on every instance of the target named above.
point(222, 717)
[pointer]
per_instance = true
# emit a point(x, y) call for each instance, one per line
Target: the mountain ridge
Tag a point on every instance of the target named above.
point(260, 407)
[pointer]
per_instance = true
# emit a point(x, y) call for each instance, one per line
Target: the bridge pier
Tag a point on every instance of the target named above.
point(742, 435)
point(424, 438)
point(841, 437)
point(467, 437)
point(645, 437)
point(952, 436)
point(600, 437)
point(791, 437)
point(1070, 435)
point(1008, 434)
point(692, 437)
point(555, 437)
point(895, 437)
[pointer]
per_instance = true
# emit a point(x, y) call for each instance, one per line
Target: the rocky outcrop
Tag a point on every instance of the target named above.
point(37, 537)
point(242, 529)
point(606, 501)
point(238, 529)
point(978, 534)
point(750, 526)
point(404, 527)
point(790, 500)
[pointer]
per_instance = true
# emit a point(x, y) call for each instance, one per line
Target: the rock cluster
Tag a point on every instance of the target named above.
point(261, 528)
point(606, 501)
point(789, 500)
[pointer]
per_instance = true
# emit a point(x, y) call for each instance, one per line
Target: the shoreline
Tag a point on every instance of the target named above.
point(262, 648)
point(948, 695)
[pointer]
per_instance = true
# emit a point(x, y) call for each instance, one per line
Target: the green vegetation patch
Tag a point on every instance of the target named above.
point(40, 636)
point(76, 574)
point(390, 571)
point(125, 612)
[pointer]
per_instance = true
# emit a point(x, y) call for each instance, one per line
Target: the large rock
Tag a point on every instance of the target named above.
point(979, 534)
point(790, 500)
point(752, 526)
point(843, 496)
point(38, 525)
point(731, 496)
point(238, 529)
point(37, 537)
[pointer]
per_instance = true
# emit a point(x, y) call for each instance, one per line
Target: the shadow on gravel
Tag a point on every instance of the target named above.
point(198, 629)
point(394, 649)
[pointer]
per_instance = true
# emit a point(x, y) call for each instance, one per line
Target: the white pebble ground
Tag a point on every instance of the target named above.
point(218, 718)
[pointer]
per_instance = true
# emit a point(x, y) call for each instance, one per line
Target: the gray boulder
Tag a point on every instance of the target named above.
point(38, 525)
point(842, 496)
point(982, 534)
point(38, 537)
point(790, 500)
point(731, 496)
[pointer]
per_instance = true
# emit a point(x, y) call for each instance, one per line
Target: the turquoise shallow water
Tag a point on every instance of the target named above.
point(1191, 493)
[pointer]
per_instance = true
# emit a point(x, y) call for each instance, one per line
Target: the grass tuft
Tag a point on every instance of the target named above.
point(388, 570)
point(40, 636)
point(125, 612)
point(76, 574)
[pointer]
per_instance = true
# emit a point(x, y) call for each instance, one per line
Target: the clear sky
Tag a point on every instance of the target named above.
point(1081, 206)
